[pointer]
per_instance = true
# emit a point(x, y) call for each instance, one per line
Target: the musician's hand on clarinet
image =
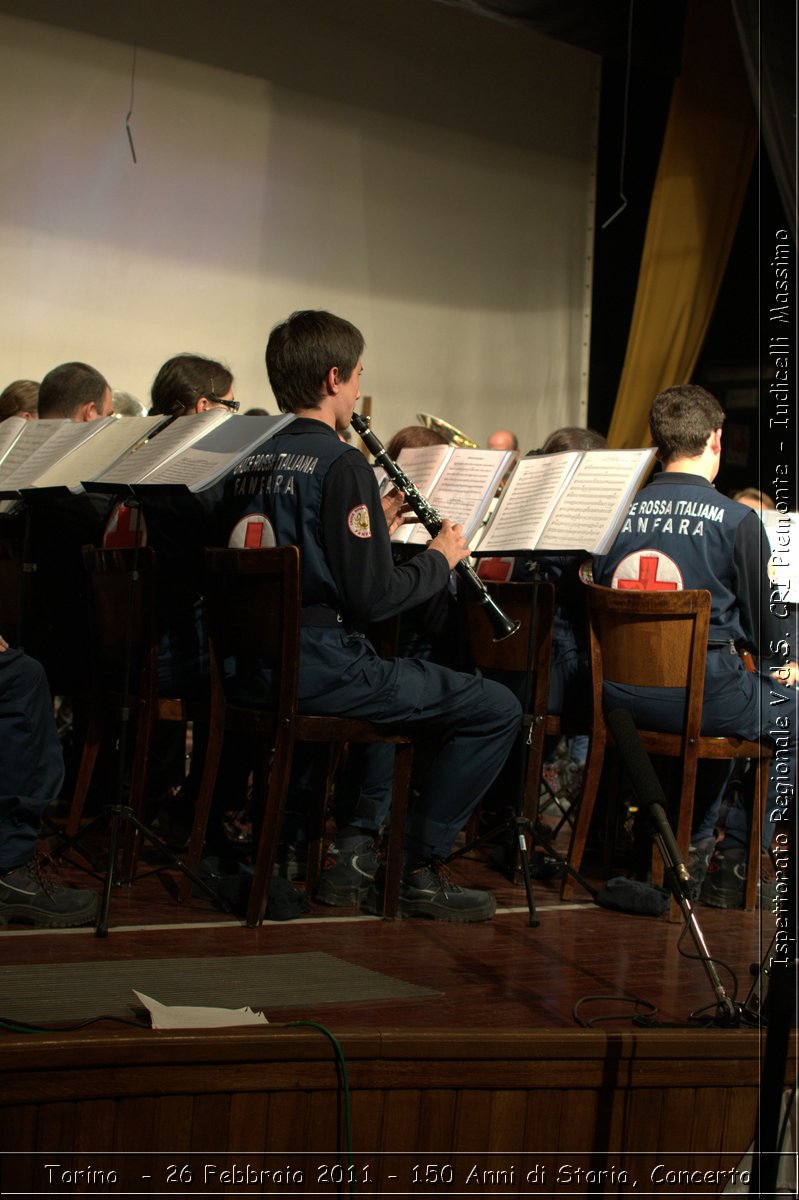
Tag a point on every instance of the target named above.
point(395, 508)
point(787, 675)
point(450, 542)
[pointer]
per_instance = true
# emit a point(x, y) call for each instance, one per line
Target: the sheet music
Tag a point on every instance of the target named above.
point(51, 448)
point(37, 433)
point(527, 502)
point(11, 429)
point(602, 485)
point(423, 466)
point(216, 453)
point(465, 488)
point(177, 437)
point(99, 453)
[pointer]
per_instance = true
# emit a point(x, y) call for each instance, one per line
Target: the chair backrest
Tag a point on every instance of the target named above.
point(650, 639)
point(253, 609)
point(529, 649)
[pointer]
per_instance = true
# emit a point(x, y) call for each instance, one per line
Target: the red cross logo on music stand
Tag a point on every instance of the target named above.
point(648, 571)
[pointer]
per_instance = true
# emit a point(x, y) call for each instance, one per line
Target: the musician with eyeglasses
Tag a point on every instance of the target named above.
point(179, 528)
point(320, 494)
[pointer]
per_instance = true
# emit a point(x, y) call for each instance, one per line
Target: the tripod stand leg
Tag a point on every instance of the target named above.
point(524, 856)
point(170, 858)
point(117, 818)
point(544, 841)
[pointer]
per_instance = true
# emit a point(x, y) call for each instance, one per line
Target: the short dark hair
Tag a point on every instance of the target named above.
point(185, 379)
point(302, 349)
point(681, 420)
point(21, 396)
point(67, 388)
point(573, 437)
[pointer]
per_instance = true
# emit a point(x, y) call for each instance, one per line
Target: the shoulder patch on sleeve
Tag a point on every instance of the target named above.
point(358, 521)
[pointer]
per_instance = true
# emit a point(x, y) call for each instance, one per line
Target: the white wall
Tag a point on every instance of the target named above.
point(461, 248)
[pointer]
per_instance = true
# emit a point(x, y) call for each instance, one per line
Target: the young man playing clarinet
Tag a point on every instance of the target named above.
point(319, 493)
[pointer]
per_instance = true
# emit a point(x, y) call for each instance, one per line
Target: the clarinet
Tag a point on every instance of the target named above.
point(501, 624)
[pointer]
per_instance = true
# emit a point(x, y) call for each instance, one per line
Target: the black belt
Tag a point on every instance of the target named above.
point(321, 617)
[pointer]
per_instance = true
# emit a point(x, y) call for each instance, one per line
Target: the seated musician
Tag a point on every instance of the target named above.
point(31, 771)
point(179, 527)
point(682, 533)
point(61, 523)
point(324, 499)
point(569, 681)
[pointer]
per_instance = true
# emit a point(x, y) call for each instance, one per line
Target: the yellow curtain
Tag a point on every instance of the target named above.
point(704, 169)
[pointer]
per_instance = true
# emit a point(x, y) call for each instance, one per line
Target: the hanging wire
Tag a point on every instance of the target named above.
point(130, 110)
point(622, 196)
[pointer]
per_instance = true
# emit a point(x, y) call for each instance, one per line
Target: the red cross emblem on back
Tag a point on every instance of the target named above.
point(125, 528)
point(252, 533)
point(648, 571)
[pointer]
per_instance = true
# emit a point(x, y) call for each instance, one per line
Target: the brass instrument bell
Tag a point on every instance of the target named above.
point(453, 435)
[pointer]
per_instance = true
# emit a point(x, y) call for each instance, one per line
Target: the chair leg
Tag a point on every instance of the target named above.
point(593, 774)
point(270, 782)
point(317, 821)
point(395, 852)
point(88, 761)
point(755, 833)
point(139, 776)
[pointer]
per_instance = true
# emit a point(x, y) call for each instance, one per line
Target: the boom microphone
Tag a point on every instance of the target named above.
point(646, 786)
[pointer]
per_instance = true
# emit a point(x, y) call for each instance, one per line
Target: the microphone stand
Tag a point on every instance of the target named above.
point(650, 794)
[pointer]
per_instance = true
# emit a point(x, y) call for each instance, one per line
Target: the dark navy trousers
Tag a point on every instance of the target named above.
point(736, 702)
point(473, 720)
point(31, 762)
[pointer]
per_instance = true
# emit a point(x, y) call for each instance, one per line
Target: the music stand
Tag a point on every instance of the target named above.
point(533, 700)
point(118, 815)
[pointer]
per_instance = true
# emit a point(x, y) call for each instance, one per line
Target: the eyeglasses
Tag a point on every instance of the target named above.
point(233, 405)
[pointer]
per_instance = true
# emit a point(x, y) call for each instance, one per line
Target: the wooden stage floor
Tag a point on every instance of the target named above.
point(499, 971)
point(492, 1073)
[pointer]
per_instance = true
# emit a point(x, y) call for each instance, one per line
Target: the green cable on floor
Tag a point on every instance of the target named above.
point(346, 1088)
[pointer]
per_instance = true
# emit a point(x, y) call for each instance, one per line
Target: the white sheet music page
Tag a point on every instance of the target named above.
point(67, 437)
point(465, 488)
point(423, 466)
point(173, 440)
point(37, 433)
point(214, 454)
point(11, 429)
point(592, 508)
point(527, 502)
point(97, 454)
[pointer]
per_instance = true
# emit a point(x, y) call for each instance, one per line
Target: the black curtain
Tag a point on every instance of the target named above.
point(768, 42)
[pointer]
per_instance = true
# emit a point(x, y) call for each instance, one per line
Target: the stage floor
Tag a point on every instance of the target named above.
point(493, 1073)
point(497, 972)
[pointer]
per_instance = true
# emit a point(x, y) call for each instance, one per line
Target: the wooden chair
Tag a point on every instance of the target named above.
point(529, 649)
point(123, 587)
point(659, 639)
point(253, 607)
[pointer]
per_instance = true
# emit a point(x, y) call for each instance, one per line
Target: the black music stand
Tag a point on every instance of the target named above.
point(118, 815)
point(523, 829)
